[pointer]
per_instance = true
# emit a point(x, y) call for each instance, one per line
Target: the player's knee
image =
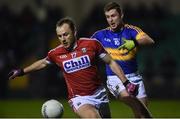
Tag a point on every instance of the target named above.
point(129, 98)
point(89, 114)
point(93, 114)
point(88, 111)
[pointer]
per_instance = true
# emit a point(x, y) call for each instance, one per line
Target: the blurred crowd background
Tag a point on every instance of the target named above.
point(27, 33)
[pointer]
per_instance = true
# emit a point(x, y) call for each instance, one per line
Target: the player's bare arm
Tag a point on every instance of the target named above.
point(145, 40)
point(40, 64)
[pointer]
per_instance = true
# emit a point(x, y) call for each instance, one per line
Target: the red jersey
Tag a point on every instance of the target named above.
point(79, 66)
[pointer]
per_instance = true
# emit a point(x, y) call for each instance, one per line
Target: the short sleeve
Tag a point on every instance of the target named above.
point(94, 35)
point(100, 51)
point(49, 58)
point(97, 36)
point(136, 32)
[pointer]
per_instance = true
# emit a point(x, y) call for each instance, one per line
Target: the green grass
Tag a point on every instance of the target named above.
point(32, 108)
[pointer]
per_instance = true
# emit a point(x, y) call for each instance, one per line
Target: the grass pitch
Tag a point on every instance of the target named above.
point(32, 109)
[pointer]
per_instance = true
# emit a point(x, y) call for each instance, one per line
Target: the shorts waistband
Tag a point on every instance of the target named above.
point(127, 75)
point(131, 74)
point(134, 77)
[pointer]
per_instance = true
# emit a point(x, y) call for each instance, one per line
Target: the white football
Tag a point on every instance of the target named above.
point(52, 109)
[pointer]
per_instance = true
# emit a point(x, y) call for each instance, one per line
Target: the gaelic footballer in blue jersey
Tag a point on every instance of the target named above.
point(121, 41)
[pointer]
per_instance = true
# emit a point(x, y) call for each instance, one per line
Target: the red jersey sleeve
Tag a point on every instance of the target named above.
point(100, 51)
point(49, 57)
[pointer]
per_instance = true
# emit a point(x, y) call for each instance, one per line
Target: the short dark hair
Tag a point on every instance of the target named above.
point(68, 21)
point(113, 5)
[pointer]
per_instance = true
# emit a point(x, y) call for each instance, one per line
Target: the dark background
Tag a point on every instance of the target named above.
point(27, 33)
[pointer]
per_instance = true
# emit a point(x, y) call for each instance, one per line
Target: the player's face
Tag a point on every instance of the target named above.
point(65, 35)
point(113, 18)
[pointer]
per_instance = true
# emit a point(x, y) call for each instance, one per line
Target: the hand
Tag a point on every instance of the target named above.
point(131, 88)
point(128, 44)
point(15, 72)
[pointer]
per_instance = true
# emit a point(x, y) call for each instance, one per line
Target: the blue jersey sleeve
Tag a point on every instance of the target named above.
point(135, 32)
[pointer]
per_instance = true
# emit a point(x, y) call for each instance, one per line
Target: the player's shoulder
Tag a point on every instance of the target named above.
point(83, 39)
point(88, 40)
point(58, 49)
point(132, 27)
point(101, 31)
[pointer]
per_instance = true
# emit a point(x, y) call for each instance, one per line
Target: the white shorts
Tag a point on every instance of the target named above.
point(115, 85)
point(100, 96)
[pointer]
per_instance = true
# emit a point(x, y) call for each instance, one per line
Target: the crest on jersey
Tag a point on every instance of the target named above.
point(77, 64)
point(84, 50)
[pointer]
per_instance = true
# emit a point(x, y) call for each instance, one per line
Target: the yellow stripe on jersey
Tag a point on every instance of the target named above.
point(139, 35)
point(140, 32)
point(122, 54)
point(133, 27)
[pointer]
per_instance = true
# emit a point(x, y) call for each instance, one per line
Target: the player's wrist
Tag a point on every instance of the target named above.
point(126, 83)
point(21, 72)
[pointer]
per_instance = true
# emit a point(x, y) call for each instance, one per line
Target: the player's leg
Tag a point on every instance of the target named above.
point(144, 100)
point(137, 79)
point(91, 105)
point(88, 111)
point(142, 96)
point(138, 108)
point(116, 87)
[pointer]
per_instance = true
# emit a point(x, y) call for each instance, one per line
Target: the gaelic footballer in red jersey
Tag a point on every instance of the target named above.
point(79, 66)
point(77, 59)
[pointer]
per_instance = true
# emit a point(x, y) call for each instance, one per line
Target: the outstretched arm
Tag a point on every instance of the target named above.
point(40, 64)
point(145, 40)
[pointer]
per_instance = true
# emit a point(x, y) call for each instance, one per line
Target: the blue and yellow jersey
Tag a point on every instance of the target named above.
point(112, 40)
